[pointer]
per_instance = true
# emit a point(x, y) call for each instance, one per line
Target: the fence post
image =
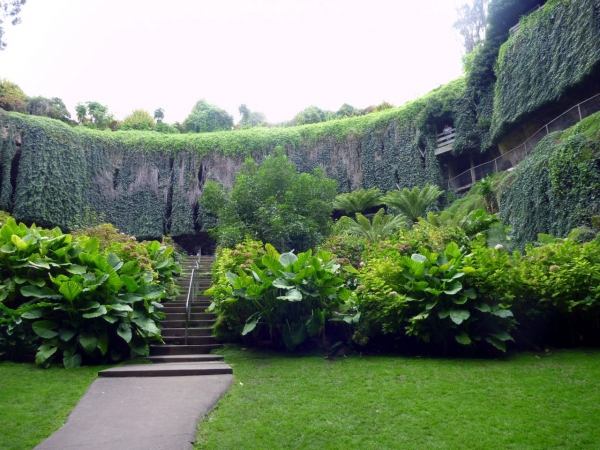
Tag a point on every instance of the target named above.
point(579, 109)
point(496, 165)
point(547, 132)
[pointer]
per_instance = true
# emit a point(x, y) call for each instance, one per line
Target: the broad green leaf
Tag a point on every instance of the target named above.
point(153, 247)
point(114, 261)
point(470, 293)
point(460, 300)
point(504, 313)
point(124, 330)
point(95, 313)
point(19, 243)
point(147, 325)
point(71, 361)
point(33, 314)
point(129, 268)
point(458, 316)
point(453, 288)
point(8, 248)
point(92, 246)
point(39, 263)
point(88, 341)
point(250, 326)
point(139, 346)
point(433, 291)
point(37, 292)
point(125, 308)
point(44, 353)
point(130, 283)
point(420, 285)
point(444, 314)
point(66, 334)
point(103, 342)
point(272, 264)
point(76, 269)
point(452, 250)
point(419, 258)
point(293, 295)
point(484, 307)
point(287, 258)
point(70, 290)
point(503, 336)
point(500, 345)
point(283, 283)
point(45, 329)
point(113, 319)
point(463, 338)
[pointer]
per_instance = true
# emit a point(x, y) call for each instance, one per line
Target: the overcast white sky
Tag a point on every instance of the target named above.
point(276, 56)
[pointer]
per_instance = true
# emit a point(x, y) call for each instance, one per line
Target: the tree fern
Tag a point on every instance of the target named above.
point(414, 203)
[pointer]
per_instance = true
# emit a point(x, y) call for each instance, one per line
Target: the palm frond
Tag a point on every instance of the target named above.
point(357, 201)
point(413, 203)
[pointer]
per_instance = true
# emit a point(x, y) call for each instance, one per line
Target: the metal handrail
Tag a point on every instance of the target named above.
point(192, 293)
point(544, 130)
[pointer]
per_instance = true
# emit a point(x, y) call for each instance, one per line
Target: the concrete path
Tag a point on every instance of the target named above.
point(139, 413)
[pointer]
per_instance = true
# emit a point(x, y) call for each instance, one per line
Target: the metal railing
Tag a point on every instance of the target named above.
point(513, 157)
point(516, 27)
point(192, 293)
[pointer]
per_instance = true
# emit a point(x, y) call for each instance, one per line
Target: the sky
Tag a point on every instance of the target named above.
point(276, 56)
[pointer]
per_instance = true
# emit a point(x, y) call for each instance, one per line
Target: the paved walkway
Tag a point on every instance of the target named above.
point(139, 413)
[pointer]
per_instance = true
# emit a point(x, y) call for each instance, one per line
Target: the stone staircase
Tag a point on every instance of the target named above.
point(175, 357)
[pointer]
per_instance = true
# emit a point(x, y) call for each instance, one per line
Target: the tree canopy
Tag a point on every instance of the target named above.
point(9, 9)
point(206, 117)
point(273, 203)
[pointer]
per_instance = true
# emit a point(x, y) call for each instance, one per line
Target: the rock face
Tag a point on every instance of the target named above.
point(54, 175)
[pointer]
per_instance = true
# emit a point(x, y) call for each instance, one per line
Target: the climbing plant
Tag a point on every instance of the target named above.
point(538, 65)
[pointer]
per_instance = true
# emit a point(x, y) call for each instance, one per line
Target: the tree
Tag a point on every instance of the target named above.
point(251, 118)
point(273, 203)
point(346, 110)
point(471, 22)
point(358, 201)
point(159, 115)
point(12, 98)
point(81, 112)
point(48, 107)
point(413, 204)
point(206, 118)
point(312, 114)
point(9, 9)
point(138, 120)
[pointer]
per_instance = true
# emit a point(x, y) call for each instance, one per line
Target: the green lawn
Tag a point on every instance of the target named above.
point(35, 402)
point(523, 401)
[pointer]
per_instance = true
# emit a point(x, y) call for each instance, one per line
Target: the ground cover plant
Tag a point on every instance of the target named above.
point(34, 403)
point(74, 302)
point(538, 401)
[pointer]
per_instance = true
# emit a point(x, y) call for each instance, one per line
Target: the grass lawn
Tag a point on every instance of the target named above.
point(522, 401)
point(35, 402)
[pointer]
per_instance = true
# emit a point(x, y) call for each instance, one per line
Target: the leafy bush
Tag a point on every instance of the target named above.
point(79, 302)
point(423, 296)
point(348, 248)
point(273, 203)
point(283, 298)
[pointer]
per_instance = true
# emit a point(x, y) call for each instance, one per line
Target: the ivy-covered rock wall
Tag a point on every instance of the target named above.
point(148, 184)
point(557, 187)
point(556, 50)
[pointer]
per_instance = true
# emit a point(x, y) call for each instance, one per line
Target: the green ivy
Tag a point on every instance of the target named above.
point(555, 189)
point(148, 184)
point(556, 50)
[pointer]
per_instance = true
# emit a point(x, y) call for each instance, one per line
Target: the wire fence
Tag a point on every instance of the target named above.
point(512, 158)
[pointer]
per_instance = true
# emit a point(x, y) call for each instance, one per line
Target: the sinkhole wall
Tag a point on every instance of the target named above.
point(148, 184)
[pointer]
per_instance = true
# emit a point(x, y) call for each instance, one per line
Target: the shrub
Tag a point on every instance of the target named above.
point(423, 296)
point(77, 301)
point(284, 299)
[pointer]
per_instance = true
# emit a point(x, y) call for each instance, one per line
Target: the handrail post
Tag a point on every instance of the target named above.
point(192, 293)
point(579, 109)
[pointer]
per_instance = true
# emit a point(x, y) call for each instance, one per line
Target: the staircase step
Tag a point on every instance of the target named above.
point(168, 369)
point(183, 358)
point(193, 316)
point(180, 332)
point(182, 349)
point(192, 324)
point(192, 340)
